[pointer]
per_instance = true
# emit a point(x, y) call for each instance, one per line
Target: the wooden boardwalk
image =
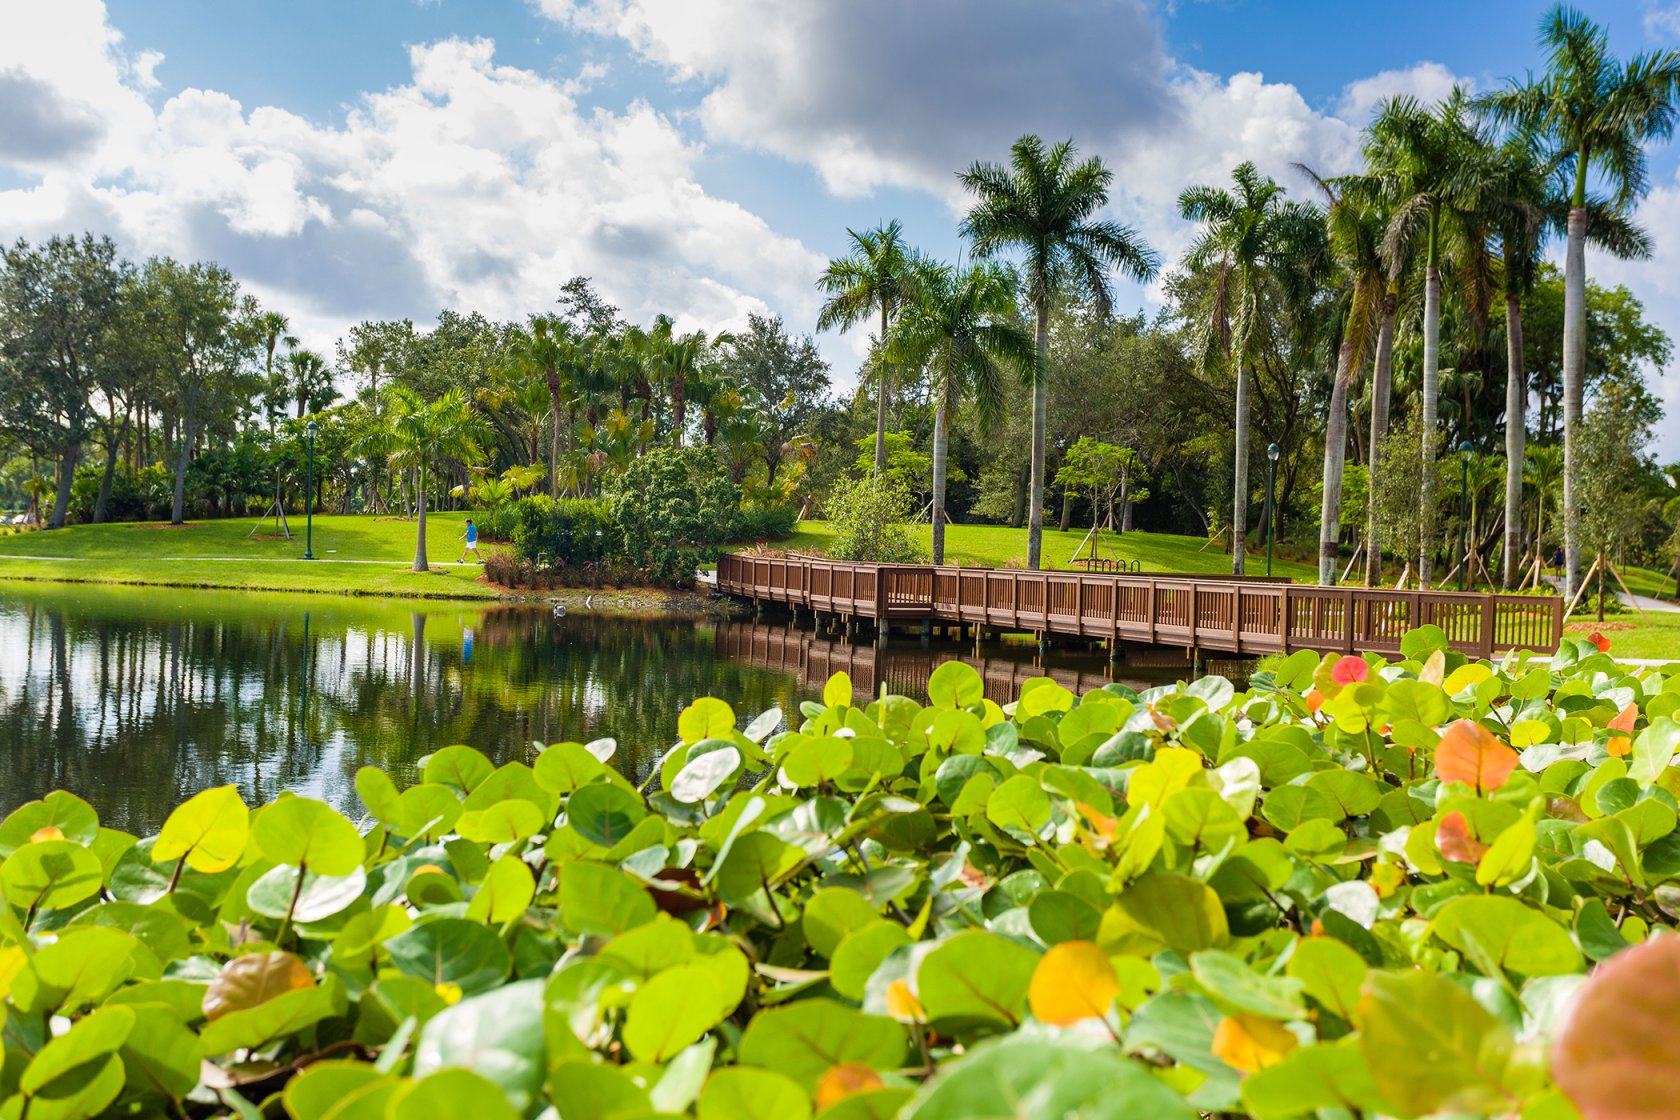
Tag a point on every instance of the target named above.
point(1196, 613)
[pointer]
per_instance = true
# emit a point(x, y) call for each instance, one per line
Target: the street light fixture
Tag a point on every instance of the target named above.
point(309, 497)
point(1272, 453)
point(1464, 450)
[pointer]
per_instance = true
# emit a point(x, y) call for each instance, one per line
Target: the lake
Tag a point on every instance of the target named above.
point(136, 698)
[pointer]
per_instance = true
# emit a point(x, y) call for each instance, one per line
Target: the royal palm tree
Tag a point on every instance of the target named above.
point(1425, 163)
point(1596, 114)
point(1543, 474)
point(875, 279)
point(1044, 202)
point(963, 329)
point(1355, 235)
point(424, 432)
point(274, 331)
point(1245, 236)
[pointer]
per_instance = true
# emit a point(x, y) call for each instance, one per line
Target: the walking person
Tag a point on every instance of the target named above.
point(472, 545)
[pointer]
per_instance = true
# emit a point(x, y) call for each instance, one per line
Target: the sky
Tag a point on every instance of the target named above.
point(704, 158)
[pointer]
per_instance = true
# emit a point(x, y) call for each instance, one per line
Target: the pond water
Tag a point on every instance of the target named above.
point(137, 698)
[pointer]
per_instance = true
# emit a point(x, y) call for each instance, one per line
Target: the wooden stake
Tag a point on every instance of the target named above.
point(1633, 600)
point(1582, 590)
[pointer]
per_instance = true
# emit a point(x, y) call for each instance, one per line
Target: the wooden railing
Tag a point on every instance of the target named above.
point(1221, 613)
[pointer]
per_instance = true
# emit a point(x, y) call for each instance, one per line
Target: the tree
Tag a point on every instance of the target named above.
point(1355, 239)
point(1044, 203)
point(1104, 471)
point(1429, 165)
point(782, 378)
point(962, 329)
point(311, 381)
point(201, 336)
point(58, 307)
point(1597, 114)
point(1243, 241)
point(274, 329)
point(552, 345)
point(426, 432)
point(876, 278)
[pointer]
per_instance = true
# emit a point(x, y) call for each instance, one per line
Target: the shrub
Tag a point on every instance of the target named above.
point(567, 533)
point(1356, 887)
point(766, 523)
point(673, 507)
point(870, 519)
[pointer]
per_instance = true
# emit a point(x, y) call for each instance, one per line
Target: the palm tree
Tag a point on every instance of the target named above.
point(273, 329)
point(423, 432)
point(311, 381)
point(1045, 204)
point(1596, 113)
point(1355, 239)
point(1543, 473)
point(962, 328)
point(1425, 163)
point(551, 345)
point(1243, 241)
point(876, 278)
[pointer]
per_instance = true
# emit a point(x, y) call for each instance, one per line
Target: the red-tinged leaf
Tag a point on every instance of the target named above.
point(1469, 753)
point(1614, 1057)
point(1626, 719)
point(1453, 838)
point(245, 982)
point(1350, 670)
point(1315, 700)
point(1600, 641)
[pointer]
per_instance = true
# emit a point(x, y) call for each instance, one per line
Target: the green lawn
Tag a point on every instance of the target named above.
point(998, 546)
point(1657, 637)
point(354, 554)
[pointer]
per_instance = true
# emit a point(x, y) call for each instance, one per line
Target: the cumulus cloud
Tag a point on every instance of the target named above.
point(1426, 81)
point(475, 185)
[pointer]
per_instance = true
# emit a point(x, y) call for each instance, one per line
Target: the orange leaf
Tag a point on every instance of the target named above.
point(1073, 981)
point(1600, 641)
point(1453, 837)
point(1469, 753)
point(842, 1081)
point(1315, 700)
point(1621, 745)
point(1251, 1043)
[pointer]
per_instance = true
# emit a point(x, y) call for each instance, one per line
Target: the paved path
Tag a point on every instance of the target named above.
point(1643, 602)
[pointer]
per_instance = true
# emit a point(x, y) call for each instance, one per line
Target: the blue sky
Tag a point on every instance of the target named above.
point(703, 157)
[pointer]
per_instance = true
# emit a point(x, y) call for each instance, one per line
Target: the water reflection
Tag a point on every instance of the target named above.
point(135, 699)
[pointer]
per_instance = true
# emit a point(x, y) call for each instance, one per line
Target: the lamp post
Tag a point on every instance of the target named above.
point(1464, 450)
point(1272, 453)
point(309, 497)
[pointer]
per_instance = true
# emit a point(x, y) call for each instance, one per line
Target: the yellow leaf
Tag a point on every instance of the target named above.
point(1251, 1043)
point(209, 830)
point(1073, 981)
point(902, 1003)
point(838, 690)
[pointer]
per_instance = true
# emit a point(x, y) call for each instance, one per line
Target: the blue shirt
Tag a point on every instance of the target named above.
point(472, 534)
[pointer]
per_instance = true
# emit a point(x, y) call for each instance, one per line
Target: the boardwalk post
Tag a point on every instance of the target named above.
point(1284, 618)
point(1490, 606)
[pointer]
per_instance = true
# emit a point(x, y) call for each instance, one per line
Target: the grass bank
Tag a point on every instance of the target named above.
point(354, 555)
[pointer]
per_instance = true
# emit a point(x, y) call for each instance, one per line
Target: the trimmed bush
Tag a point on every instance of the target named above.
point(870, 520)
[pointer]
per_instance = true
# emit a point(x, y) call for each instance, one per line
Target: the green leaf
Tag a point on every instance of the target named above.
point(451, 951)
point(1430, 1047)
point(1037, 1077)
point(1163, 912)
point(742, 1093)
point(340, 1091)
point(1653, 750)
point(450, 1094)
point(976, 979)
point(602, 900)
point(1508, 934)
point(706, 718)
point(1231, 982)
point(50, 875)
point(603, 812)
point(58, 815)
point(804, 1040)
point(498, 1034)
point(838, 691)
point(303, 832)
point(671, 1011)
point(1328, 1076)
point(831, 914)
point(320, 897)
point(955, 684)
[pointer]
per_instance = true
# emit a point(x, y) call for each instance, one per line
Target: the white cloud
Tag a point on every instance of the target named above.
point(1662, 22)
point(1657, 284)
point(1427, 81)
point(476, 185)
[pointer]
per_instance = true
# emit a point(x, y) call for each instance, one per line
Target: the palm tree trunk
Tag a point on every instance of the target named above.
point(1335, 459)
point(1431, 402)
point(1382, 386)
point(679, 407)
point(940, 439)
point(420, 564)
point(1040, 418)
point(881, 398)
point(1516, 431)
point(555, 393)
point(1574, 363)
point(1239, 485)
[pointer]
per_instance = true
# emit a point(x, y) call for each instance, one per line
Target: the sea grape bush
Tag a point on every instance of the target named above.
point(1353, 888)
